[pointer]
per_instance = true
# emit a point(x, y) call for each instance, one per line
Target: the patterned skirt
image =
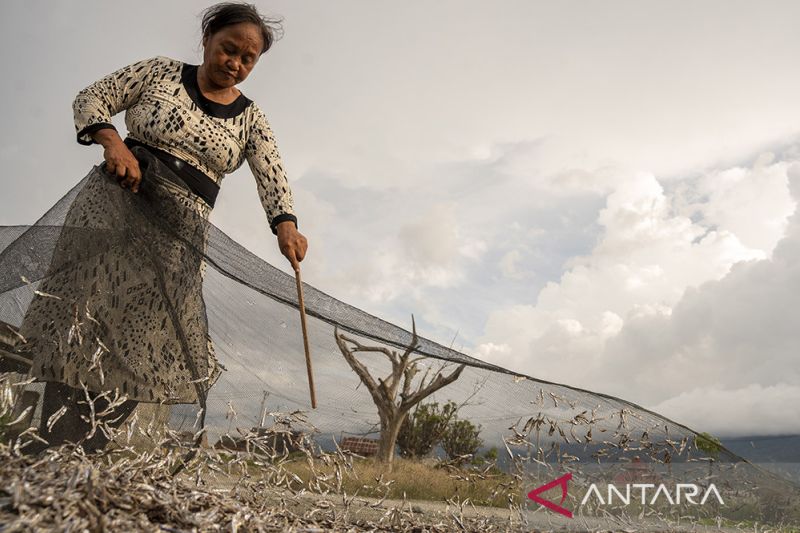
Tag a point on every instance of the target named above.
point(121, 305)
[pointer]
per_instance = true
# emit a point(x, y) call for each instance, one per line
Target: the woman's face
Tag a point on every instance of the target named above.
point(231, 53)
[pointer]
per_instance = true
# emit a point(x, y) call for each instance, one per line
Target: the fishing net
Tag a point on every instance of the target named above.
point(570, 445)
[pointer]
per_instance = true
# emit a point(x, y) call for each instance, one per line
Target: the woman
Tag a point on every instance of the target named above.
point(120, 316)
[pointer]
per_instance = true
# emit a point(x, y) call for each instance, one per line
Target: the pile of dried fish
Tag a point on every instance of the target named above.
point(162, 487)
point(274, 478)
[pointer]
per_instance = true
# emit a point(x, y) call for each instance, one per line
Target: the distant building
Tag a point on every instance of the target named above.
point(360, 445)
point(637, 472)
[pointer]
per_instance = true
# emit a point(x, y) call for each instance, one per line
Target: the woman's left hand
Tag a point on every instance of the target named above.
point(292, 243)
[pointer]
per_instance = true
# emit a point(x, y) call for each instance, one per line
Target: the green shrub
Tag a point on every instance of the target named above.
point(461, 440)
point(424, 429)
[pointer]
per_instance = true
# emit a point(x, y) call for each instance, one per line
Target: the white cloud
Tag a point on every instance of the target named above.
point(427, 251)
point(749, 202)
point(430, 241)
point(664, 306)
point(509, 264)
point(490, 350)
point(647, 255)
point(753, 409)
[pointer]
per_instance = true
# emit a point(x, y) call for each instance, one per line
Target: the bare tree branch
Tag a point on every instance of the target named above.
point(356, 365)
point(392, 410)
point(438, 382)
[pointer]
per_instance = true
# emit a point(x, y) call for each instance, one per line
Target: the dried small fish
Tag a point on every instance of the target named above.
point(55, 417)
point(259, 488)
point(46, 295)
point(21, 416)
point(15, 333)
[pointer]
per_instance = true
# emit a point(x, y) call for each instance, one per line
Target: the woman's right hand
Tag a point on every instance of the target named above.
point(120, 161)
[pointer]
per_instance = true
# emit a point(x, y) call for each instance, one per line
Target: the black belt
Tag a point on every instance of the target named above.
point(197, 180)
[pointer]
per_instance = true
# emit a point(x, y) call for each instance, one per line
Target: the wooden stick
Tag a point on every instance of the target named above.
point(305, 338)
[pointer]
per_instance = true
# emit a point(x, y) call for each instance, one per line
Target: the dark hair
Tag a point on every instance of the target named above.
point(224, 14)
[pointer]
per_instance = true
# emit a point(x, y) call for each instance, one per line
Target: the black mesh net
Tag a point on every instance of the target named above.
point(164, 251)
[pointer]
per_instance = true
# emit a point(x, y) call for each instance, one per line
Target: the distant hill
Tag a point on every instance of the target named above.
point(756, 449)
point(771, 449)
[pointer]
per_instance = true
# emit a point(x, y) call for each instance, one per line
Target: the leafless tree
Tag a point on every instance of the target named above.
point(397, 393)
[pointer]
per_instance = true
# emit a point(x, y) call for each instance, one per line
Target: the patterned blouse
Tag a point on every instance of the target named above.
point(164, 108)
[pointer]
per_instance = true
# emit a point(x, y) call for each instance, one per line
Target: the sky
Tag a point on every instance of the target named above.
point(600, 194)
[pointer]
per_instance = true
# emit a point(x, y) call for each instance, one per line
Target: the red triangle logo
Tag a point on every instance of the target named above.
point(562, 481)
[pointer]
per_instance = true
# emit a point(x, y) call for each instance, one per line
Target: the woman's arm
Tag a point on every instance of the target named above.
point(96, 104)
point(262, 155)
